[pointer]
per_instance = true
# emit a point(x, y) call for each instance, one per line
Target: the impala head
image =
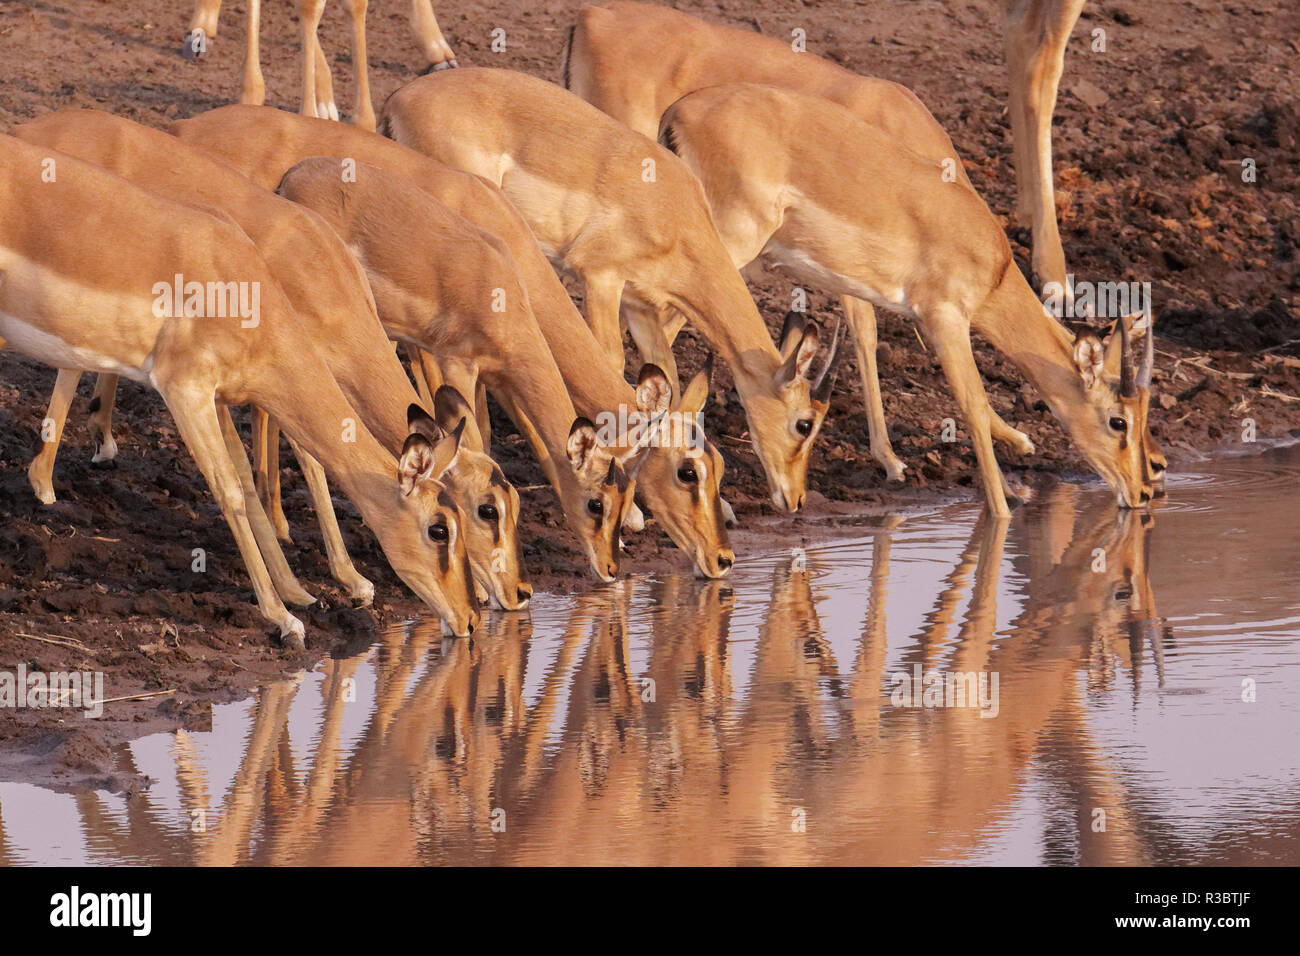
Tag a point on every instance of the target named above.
point(679, 471)
point(787, 407)
point(489, 506)
point(599, 502)
point(1111, 426)
point(436, 566)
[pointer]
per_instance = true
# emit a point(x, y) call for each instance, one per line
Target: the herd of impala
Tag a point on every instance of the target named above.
point(677, 155)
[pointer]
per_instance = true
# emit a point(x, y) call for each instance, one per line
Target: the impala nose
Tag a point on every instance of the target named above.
point(725, 560)
point(524, 594)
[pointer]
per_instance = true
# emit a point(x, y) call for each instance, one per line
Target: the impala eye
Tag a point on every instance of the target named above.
point(596, 507)
point(687, 474)
point(1118, 424)
point(488, 512)
point(804, 427)
point(438, 532)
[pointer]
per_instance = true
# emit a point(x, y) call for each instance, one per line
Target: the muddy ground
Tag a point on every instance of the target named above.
point(1150, 136)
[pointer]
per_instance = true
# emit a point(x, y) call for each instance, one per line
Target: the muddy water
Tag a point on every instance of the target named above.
point(1101, 689)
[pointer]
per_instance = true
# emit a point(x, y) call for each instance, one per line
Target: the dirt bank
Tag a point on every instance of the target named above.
point(1150, 137)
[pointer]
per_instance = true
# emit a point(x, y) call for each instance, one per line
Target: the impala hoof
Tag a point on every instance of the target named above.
point(45, 495)
point(293, 636)
point(362, 593)
point(439, 66)
point(104, 452)
point(894, 469)
point(195, 46)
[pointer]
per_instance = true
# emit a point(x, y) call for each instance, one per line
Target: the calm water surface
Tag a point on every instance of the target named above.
point(1141, 705)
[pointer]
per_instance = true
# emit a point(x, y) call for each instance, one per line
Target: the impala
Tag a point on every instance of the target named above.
point(447, 287)
point(895, 233)
point(629, 219)
point(633, 60)
point(334, 295)
point(317, 89)
point(264, 143)
point(80, 259)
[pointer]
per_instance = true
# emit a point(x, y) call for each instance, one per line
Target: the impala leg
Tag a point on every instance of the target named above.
point(360, 590)
point(674, 326)
point(949, 333)
point(40, 473)
point(1009, 436)
point(532, 436)
point(203, 27)
point(326, 108)
point(647, 330)
point(253, 90)
point(270, 491)
point(481, 414)
point(286, 585)
point(363, 111)
point(101, 418)
point(196, 419)
point(1037, 32)
point(309, 14)
point(604, 292)
point(862, 318)
point(437, 52)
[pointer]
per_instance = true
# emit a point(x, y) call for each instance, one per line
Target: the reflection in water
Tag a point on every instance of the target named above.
point(756, 720)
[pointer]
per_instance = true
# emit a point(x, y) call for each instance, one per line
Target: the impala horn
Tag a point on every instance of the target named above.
point(1127, 384)
point(821, 390)
point(1148, 356)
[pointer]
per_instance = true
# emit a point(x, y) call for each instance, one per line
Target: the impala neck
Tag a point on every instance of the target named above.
point(593, 388)
point(532, 382)
point(377, 386)
point(302, 394)
point(716, 302)
point(1013, 321)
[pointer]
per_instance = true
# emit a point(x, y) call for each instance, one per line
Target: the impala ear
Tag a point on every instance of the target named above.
point(800, 358)
point(790, 329)
point(654, 394)
point(416, 463)
point(582, 443)
point(446, 451)
point(1136, 327)
point(449, 407)
point(697, 392)
point(1089, 359)
point(418, 422)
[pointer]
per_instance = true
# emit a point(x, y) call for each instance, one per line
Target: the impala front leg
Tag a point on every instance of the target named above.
point(648, 332)
point(862, 317)
point(437, 52)
point(203, 28)
point(254, 88)
point(309, 14)
point(1037, 32)
point(949, 333)
point(604, 293)
point(101, 418)
point(286, 585)
point(358, 588)
point(363, 111)
point(196, 419)
point(266, 471)
point(40, 473)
